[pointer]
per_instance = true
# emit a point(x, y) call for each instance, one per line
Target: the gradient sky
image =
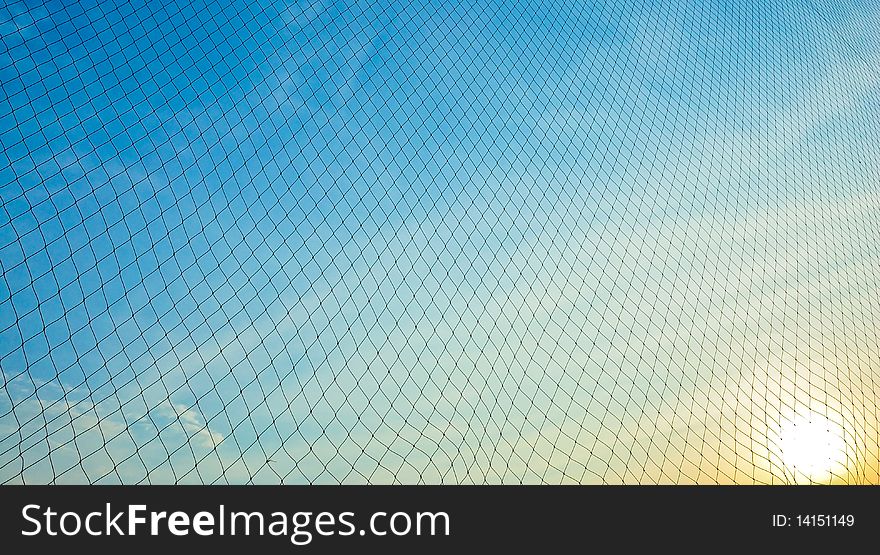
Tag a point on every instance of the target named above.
point(437, 242)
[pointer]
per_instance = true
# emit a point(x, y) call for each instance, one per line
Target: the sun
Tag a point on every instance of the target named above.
point(812, 447)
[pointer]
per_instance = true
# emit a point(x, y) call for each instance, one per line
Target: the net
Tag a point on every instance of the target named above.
point(534, 241)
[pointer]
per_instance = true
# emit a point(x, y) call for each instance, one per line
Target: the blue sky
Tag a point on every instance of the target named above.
point(521, 241)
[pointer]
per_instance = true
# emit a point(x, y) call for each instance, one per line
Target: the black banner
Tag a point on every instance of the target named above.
point(285, 519)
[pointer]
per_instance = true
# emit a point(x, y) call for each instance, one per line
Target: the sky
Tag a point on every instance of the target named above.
point(439, 242)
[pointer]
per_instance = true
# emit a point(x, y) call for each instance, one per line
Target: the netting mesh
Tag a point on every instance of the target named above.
point(430, 241)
